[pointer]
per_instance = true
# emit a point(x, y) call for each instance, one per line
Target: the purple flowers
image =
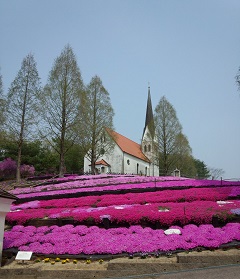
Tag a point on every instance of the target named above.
point(165, 201)
point(93, 240)
point(8, 169)
point(167, 214)
point(101, 183)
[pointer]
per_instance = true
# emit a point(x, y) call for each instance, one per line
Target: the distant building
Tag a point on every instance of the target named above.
point(127, 156)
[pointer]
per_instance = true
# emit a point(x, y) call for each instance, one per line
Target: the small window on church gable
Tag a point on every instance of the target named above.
point(128, 162)
point(149, 147)
point(145, 148)
point(103, 138)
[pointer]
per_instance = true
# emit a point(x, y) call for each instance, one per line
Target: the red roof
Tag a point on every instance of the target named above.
point(128, 146)
point(102, 162)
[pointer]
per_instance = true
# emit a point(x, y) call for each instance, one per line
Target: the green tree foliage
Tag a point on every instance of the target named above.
point(35, 153)
point(96, 114)
point(74, 159)
point(167, 127)
point(23, 104)
point(61, 104)
point(202, 170)
point(183, 156)
point(173, 149)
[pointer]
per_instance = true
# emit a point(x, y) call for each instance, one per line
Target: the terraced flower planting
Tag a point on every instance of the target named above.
point(114, 214)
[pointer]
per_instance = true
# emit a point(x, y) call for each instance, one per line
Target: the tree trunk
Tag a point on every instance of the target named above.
point(63, 131)
point(93, 154)
point(93, 161)
point(61, 165)
point(18, 173)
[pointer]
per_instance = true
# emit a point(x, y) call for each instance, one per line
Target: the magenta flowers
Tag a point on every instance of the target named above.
point(93, 240)
point(187, 205)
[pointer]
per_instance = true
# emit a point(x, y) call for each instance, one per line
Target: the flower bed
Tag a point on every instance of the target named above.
point(88, 187)
point(185, 195)
point(83, 240)
point(162, 201)
point(198, 212)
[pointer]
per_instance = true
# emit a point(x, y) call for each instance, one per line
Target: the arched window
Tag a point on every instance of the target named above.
point(145, 148)
point(137, 167)
point(149, 147)
point(146, 171)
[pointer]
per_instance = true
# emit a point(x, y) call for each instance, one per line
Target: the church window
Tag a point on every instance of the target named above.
point(149, 147)
point(145, 148)
point(128, 162)
point(102, 151)
point(137, 168)
point(103, 138)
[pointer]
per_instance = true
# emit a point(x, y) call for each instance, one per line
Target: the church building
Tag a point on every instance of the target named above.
point(127, 156)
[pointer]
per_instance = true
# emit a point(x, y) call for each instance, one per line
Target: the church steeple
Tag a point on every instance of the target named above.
point(149, 121)
point(148, 144)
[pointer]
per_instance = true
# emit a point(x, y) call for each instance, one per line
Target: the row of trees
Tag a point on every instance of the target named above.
point(53, 126)
point(63, 115)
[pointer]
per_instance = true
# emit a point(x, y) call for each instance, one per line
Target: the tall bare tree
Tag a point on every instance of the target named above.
point(216, 173)
point(61, 103)
point(97, 114)
point(23, 105)
point(2, 103)
point(171, 143)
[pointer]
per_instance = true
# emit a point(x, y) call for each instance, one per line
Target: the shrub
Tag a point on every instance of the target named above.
point(27, 170)
point(8, 168)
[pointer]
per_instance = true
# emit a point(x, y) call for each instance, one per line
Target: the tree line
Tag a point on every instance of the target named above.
point(53, 127)
point(55, 122)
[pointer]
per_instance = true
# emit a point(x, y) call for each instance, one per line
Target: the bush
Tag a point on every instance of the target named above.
point(8, 168)
point(27, 170)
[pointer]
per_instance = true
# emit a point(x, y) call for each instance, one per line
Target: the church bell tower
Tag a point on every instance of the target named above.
point(148, 131)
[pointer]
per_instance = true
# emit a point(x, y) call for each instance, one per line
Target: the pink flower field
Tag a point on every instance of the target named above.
point(114, 214)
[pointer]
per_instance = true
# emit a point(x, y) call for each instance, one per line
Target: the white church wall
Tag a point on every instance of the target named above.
point(134, 165)
point(122, 163)
point(87, 167)
point(114, 159)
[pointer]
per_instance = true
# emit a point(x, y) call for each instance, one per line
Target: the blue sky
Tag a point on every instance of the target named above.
point(187, 50)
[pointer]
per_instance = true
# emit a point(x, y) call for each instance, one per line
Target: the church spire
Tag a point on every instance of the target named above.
point(149, 121)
